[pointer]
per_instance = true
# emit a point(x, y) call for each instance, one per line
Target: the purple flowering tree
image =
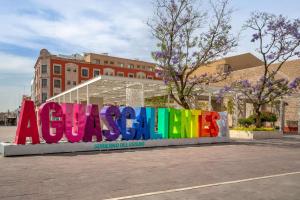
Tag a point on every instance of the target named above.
point(278, 40)
point(189, 38)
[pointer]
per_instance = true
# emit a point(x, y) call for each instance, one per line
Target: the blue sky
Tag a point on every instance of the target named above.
point(67, 26)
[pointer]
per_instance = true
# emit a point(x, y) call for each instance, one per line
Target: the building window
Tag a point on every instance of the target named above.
point(44, 83)
point(227, 68)
point(143, 67)
point(121, 64)
point(84, 72)
point(105, 62)
point(74, 70)
point(69, 82)
point(56, 83)
point(120, 74)
point(44, 97)
point(112, 62)
point(74, 82)
point(96, 72)
point(96, 61)
point(130, 75)
point(139, 67)
point(108, 72)
point(150, 77)
point(44, 69)
point(141, 75)
point(68, 69)
point(223, 68)
point(57, 69)
point(131, 66)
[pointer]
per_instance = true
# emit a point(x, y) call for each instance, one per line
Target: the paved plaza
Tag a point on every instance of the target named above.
point(266, 169)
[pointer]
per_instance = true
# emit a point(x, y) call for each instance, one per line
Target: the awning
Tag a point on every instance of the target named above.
point(112, 89)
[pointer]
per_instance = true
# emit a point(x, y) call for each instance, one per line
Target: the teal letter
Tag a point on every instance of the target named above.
point(163, 122)
point(150, 112)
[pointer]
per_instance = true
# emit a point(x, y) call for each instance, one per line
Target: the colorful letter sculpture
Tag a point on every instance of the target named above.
point(174, 123)
point(163, 122)
point(185, 131)
point(194, 123)
point(74, 117)
point(92, 125)
point(223, 124)
point(27, 125)
point(109, 115)
point(127, 113)
point(204, 124)
point(150, 113)
point(80, 123)
point(51, 119)
point(141, 126)
point(214, 128)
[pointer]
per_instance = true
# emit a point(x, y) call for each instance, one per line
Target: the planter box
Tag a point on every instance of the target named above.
point(236, 134)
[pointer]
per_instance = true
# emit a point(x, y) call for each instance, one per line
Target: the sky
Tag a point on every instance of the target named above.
point(117, 27)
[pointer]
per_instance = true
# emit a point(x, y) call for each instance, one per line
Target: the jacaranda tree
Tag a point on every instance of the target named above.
point(189, 38)
point(278, 40)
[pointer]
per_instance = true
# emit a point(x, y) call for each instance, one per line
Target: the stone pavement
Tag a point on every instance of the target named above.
point(95, 175)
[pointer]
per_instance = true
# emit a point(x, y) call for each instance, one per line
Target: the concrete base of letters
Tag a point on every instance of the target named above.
point(10, 149)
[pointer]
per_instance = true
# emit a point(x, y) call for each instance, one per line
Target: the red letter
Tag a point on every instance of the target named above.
point(214, 128)
point(27, 126)
point(208, 125)
point(204, 124)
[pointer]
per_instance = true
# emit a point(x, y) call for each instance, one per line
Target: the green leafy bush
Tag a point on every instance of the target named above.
point(268, 117)
point(246, 121)
point(265, 117)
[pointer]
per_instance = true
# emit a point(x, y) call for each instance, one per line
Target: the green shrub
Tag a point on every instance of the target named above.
point(265, 117)
point(268, 117)
point(246, 121)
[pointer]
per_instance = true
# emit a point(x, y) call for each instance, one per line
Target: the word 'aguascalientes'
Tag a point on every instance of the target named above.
point(80, 123)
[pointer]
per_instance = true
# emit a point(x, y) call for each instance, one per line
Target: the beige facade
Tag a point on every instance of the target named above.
point(107, 60)
point(247, 66)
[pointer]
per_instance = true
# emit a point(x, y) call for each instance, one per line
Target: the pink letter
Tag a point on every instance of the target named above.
point(49, 114)
point(74, 118)
point(92, 124)
point(27, 126)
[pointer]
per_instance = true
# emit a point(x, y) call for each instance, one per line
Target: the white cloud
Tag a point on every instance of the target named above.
point(15, 64)
point(99, 26)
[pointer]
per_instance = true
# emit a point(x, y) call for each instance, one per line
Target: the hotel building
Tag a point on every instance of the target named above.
point(57, 73)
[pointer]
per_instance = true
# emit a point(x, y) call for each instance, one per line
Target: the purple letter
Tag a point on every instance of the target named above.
point(109, 115)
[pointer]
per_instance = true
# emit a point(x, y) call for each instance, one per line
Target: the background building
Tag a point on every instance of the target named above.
point(57, 73)
point(247, 66)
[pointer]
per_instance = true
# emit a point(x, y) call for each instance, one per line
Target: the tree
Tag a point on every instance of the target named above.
point(278, 40)
point(189, 38)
